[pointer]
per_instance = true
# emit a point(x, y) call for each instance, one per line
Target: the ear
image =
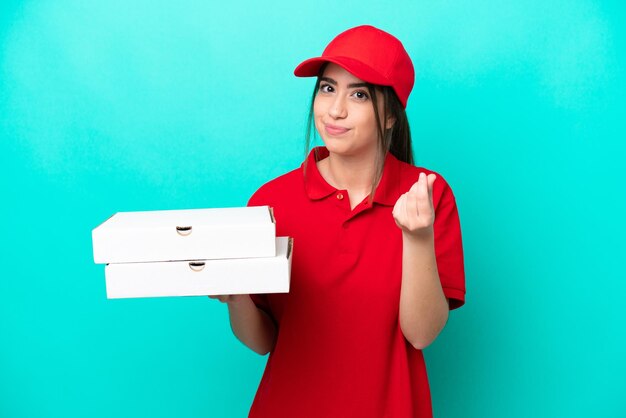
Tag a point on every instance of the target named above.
point(390, 122)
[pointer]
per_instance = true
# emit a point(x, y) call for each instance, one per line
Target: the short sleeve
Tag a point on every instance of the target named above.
point(449, 247)
point(261, 302)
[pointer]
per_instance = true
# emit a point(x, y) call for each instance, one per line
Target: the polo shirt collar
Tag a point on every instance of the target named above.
point(387, 192)
point(315, 185)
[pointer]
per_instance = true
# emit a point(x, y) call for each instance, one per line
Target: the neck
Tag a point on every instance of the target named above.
point(352, 174)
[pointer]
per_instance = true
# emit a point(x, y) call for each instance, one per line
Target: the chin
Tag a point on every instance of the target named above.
point(335, 146)
point(346, 149)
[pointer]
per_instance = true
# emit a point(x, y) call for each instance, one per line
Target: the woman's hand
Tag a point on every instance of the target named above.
point(229, 298)
point(413, 212)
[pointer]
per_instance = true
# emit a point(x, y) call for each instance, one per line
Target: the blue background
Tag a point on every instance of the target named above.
point(110, 106)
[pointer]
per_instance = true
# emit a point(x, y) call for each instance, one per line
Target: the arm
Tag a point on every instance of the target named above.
point(253, 327)
point(423, 305)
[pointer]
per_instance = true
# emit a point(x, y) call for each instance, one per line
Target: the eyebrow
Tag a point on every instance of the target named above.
point(334, 83)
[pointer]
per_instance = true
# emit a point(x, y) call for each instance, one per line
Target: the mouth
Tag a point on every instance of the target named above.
point(334, 129)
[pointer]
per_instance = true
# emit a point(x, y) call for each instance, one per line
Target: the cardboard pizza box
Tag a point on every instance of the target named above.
point(203, 277)
point(192, 234)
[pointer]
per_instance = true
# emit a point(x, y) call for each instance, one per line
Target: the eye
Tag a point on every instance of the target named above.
point(361, 95)
point(326, 88)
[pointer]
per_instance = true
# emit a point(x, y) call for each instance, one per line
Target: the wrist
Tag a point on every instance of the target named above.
point(423, 235)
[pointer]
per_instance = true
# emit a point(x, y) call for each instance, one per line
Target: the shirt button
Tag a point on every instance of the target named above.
point(340, 196)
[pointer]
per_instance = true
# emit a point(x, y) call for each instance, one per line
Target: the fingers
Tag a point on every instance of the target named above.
point(231, 299)
point(411, 206)
point(431, 182)
point(414, 209)
point(221, 298)
point(423, 196)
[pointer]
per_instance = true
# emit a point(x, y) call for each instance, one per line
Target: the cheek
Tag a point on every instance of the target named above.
point(317, 104)
point(318, 111)
point(317, 114)
point(368, 123)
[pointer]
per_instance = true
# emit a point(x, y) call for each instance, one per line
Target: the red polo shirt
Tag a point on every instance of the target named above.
point(340, 351)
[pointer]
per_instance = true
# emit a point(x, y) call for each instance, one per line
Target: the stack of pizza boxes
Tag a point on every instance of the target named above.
point(221, 251)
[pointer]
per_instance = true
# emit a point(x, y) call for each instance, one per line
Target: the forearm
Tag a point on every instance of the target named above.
point(251, 326)
point(423, 306)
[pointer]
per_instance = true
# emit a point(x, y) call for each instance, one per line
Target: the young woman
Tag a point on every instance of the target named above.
point(377, 261)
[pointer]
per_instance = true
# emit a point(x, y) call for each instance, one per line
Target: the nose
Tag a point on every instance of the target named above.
point(337, 109)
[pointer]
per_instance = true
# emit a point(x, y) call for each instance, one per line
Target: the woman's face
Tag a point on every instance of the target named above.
point(344, 115)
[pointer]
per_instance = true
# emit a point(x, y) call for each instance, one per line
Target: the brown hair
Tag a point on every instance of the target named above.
point(396, 139)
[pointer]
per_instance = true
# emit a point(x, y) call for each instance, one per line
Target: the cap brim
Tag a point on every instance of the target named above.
point(311, 68)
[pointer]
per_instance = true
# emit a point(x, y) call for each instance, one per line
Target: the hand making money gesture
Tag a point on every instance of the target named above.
point(414, 212)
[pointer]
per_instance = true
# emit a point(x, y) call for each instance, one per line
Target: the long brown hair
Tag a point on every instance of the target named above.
point(396, 139)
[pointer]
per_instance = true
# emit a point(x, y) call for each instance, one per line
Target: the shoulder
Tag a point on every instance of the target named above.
point(277, 188)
